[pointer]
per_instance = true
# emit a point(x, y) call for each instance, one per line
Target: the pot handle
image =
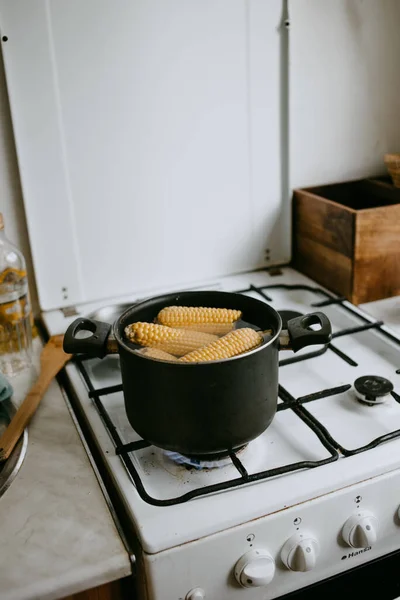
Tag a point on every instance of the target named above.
point(299, 333)
point(95, 343)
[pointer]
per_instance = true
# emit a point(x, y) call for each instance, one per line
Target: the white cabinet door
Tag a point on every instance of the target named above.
point(147, 135)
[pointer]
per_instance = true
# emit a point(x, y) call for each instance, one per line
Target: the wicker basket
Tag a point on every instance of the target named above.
point(392, 162)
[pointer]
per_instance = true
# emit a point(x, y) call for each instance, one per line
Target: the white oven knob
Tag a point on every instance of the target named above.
point(360, 530)
point(196, 594)
point(255, 569)
point(299, 553)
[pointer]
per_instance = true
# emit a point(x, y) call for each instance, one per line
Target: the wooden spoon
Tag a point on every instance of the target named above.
point(52, 360)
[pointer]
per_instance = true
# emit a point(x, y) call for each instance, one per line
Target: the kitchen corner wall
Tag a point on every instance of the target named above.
point(344, 88)
point(11, 203)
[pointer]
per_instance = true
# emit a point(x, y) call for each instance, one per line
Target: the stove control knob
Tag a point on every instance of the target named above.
point(196, 594)
point(300, 552)
point(255, 569)
point(360, 530)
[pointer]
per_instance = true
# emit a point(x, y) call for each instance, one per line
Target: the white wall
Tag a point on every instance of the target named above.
point(151, 123)
point(11, 203)
point(345, 99)
point(345, 88)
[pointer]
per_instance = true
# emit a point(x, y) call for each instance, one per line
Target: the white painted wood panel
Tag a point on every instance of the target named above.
point(39, 135)
point(147, 147)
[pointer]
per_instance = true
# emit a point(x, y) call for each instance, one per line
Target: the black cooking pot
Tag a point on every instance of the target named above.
point(199, 409)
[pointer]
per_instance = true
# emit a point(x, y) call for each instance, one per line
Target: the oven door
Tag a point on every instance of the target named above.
point(379, 578)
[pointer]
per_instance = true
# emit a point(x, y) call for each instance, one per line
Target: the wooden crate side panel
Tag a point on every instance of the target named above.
point(324, 221)
point(323, 241)
point(377, 254)
point(326, 266)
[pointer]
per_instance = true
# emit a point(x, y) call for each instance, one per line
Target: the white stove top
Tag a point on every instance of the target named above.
point(288, 440)
point(387, 310)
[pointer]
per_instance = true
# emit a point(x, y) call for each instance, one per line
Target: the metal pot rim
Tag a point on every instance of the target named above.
point(121, 341)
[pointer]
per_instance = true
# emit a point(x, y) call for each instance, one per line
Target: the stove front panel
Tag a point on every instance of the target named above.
point(209, 563)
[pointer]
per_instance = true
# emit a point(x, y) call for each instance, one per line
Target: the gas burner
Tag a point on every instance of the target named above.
point(372, 389)
point(215, 461)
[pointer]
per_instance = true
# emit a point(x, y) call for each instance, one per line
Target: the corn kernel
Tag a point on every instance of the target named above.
point(209, 320)
point(232, 344)
point(158, 354)
point(174, 341)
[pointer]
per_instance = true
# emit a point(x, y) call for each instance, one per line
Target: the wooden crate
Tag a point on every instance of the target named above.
point(347, 237)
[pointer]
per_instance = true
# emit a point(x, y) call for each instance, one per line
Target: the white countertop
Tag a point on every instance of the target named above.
point(57, 534)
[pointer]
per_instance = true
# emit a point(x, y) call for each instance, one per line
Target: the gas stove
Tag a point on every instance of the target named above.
point(312, 497)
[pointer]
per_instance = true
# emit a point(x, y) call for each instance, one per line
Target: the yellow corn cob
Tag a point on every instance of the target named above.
point(200, 318)
point(157, 353)
point(234, 343)
point(174, 341)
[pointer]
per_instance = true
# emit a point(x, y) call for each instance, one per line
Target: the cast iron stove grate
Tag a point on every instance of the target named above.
point(296, 405)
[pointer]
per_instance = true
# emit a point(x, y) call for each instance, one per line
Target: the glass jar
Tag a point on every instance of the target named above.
point(15, 309)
